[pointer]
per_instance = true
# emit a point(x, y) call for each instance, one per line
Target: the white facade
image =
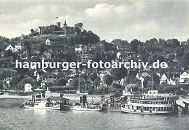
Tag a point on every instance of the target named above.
point(11, 48)
point(19, 46)
point(184, 75)
point(48, 42)
point(163, 79)
point(118, 55)
point(27, 88)
point(183, 78)
point(171, 82)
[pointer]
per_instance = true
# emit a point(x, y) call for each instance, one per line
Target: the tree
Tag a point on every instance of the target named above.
point(107, 46)
point(154, 57)
point(75, 83)
point(93, 76)
point(28, 47)
point(95, 79)
point(21, 84)
point(176, 43)
point(1, 84)
point(5, 73)
point(42, 48)
point(108, 79)
point(180, 51)
point(156, 78)
point(93, 38)
point(61, 81)
point(134, 45)
point(118, 73)
point(185, 60)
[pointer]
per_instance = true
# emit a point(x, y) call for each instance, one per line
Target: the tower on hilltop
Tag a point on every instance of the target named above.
point(65, 24)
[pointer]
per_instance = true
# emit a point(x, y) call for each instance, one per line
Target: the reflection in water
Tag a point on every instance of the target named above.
point(41, 113)
point(42, 119)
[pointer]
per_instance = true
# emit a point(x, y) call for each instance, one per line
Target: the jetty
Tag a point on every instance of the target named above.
point(183, 103)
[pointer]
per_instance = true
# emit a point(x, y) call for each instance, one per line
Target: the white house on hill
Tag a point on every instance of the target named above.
point(183, 77)
point(11, 48)
point(27, 88)
point(163, 79)
point(48, 42)
point(19, 46)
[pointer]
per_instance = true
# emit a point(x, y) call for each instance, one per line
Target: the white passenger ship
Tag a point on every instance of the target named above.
point(149, 103)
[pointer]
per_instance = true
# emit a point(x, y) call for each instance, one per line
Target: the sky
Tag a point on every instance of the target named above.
point(110, 19)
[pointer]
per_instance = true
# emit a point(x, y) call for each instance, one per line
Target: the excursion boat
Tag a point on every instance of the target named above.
point(149, 103)
point(40, 102)
point(85, 106)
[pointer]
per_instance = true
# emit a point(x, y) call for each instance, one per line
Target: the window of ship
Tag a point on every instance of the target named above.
point(169, 108)
point(38, 100)
point(161, 109)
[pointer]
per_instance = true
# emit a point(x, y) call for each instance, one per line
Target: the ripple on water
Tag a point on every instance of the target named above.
point(21, 119)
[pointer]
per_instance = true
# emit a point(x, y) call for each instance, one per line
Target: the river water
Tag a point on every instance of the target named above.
point(22, 119)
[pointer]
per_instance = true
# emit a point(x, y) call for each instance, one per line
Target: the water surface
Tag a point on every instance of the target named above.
point(22, 119)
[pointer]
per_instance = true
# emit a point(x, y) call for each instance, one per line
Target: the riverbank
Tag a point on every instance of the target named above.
point(8, 100)
point(12, 101)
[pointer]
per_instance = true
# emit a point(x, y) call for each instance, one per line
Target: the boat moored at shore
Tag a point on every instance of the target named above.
point(150, 103)
point(40, 102)
point(86, 108)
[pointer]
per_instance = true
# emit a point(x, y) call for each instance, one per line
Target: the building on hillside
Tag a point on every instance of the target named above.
point(184, 77)
point(145, 74)
point(27, 88)
point(56, 29)
point(163, 79)
point(47, 55)
point(171, 81)
point(10, 48)
point(19, 46)
point(119, 55)
point(47, 42)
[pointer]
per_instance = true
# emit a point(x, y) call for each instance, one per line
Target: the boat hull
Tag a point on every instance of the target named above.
point(124, 110)
point(79, 108)
point(42, 108)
